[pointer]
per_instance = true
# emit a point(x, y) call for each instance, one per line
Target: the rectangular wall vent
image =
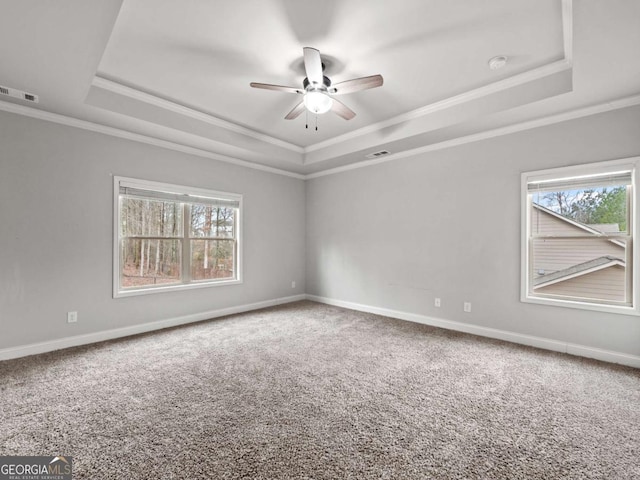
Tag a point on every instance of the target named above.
point(377, 154)
point(15, 93)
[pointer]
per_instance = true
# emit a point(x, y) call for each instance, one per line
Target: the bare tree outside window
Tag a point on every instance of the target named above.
point(169, 238)
point(212, 244)
point(152, 243)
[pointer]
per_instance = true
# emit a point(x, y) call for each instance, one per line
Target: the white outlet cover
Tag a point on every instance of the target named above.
point(467, 307)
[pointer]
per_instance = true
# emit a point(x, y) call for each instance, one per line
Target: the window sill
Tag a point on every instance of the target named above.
point(617, 309)
point(174, 288)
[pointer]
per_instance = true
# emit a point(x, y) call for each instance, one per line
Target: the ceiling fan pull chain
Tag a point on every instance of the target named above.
point(316, 123)
point(306, 118)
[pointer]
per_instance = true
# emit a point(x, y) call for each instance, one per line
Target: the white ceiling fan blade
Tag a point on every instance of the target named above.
point(279, 88)
point(295, 113)
point(356, 85)
point(342, 110)
point(313, 65)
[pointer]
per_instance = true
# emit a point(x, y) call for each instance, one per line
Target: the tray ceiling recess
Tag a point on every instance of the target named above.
point(189, 76)
point(178, 74)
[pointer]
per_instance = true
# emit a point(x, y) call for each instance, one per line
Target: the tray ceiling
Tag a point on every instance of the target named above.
point(179, 71)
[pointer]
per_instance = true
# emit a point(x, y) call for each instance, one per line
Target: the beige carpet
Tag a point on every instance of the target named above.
point(317, 392)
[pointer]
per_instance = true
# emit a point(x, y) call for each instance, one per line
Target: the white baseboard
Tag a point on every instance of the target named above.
point(540, 342)
point(604, 355)
point(532, 341)
point(57, 344)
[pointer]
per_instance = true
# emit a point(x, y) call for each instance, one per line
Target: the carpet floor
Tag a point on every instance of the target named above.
point(310, 391)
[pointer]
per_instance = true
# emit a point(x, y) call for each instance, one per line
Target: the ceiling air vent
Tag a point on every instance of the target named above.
point(377, 154)
point(12, 92)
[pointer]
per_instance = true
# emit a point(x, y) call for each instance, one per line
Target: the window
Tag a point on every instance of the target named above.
point(578, 233)
point(169, 237)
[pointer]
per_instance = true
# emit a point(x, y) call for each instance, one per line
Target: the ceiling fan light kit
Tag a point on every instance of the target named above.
point(317, 101)
point(317, 89)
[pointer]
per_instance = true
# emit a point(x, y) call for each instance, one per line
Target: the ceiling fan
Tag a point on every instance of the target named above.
point(318, 91)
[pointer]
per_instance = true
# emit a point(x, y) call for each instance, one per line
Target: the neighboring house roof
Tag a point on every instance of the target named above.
point(581, 226)
point(598, 229)
point(578, 270)
point(605, 227)
point(605, 258)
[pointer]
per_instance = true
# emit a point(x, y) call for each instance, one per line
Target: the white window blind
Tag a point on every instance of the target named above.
point(177, 197)
point(592, 181)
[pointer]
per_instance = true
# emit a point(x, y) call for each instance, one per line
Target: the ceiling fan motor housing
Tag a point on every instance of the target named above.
point(325, 81)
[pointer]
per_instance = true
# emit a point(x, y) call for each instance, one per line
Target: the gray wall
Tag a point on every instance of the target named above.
point(56, 231)
point(394, 235)
point(447, 224)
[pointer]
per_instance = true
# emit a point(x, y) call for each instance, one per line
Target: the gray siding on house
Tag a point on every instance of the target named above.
point(553, 254)
point(543, 223)
point(605, 284)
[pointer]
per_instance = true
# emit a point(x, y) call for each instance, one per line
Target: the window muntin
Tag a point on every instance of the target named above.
point(578, 248)
point(172, 237)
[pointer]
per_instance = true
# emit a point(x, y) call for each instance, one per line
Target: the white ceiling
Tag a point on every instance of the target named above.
point(179, 70)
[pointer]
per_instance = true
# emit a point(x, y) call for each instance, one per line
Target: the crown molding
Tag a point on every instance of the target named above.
point(136, 137)
point(120, 89)
point(495, 87)
point(497, 132)
point(462, 98)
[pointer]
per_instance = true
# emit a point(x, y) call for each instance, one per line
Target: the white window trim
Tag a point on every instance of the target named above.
point(632, 164)
point(151, 185)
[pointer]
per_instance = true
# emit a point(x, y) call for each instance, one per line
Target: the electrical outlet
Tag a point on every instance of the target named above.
point(467, 307)
point(293, 284)
point(72, 317)
point(437, 302)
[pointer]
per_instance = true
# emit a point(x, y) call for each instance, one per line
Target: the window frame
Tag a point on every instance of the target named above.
point(585, 170)
point(186, 283)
